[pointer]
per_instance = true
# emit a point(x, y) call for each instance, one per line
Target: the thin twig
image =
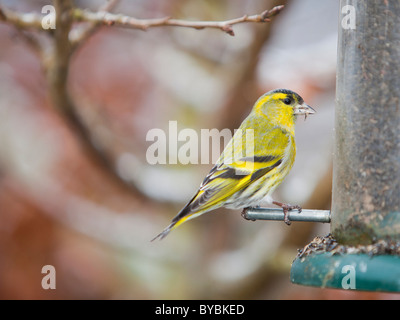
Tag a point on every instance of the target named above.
point(80, 34)
point(21, 20)
point(106, 18)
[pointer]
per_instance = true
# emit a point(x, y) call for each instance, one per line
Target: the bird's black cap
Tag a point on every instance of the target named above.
point(290, 93)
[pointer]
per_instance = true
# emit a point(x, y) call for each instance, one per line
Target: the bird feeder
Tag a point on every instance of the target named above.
point(366, 174)
point(364, 250)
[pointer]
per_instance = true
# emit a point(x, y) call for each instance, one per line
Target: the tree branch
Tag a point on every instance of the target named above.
point(103, 17)
point(80, 35)
point(106, 18)
point(56, 57)
point(21, 20)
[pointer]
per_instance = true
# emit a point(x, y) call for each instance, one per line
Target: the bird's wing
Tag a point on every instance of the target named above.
point(233, 173)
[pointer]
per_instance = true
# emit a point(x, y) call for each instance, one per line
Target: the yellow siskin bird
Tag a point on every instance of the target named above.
point(255, 161)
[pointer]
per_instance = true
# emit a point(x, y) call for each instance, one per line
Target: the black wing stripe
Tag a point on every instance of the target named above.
point(231, 173)
point(208, 177)
point(192, 205)
point(202, 199)
point(260, 159)
point(259, 173)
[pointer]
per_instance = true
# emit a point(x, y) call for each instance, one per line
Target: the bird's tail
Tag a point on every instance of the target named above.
point(165, 232)
point(181, 217)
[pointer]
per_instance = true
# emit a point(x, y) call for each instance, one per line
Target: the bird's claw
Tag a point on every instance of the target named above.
point(286, 208)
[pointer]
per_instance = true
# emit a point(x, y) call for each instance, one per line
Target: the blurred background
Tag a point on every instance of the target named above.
point(89, 202)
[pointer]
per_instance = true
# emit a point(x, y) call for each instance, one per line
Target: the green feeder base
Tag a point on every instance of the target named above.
point(348, 271)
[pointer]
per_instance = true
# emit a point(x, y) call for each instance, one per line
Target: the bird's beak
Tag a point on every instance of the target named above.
point(303, 109)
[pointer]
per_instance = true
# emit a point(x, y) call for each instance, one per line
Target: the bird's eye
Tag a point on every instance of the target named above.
point(287, 101)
